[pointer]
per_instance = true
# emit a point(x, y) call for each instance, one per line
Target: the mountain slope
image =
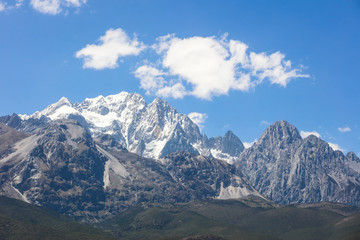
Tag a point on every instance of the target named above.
point(150, 130)
point(62, 167)
point(286, 168)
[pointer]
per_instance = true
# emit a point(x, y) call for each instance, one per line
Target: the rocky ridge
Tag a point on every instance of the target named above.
point(150, 130)
point(286, 168)
point(62, 167)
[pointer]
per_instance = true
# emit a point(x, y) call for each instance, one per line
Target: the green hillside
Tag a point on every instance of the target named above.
point(246, 219)
point(19, 220)
point(238, 219)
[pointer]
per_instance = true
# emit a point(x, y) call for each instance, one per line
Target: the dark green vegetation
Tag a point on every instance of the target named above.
point(247, 219)
point(19, 220)
point(250, 218)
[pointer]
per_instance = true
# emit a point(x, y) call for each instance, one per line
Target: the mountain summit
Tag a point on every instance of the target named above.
point(150, 130)
point(286, 168)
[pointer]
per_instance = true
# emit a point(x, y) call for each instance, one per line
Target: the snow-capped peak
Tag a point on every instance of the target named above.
point(141, 128)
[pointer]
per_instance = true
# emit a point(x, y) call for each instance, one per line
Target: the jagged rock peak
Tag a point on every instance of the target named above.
point(353, 157)
point(148, 130)
point(232, 144)
point(162, 104)
point(62, 102)
point(280, 131)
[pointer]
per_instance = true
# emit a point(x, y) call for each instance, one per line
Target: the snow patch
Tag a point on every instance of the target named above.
point(224, 156)
point(63, 112)
point(23, 197)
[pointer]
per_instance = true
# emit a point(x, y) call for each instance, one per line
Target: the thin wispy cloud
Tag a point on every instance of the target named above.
point(54, 7)
point(50, 7)
point(344, 129)
point(112, 46)
point(335, 146)
point(205, 67)
point(264, 123)
point(6, 6)
point(2, 6)
point(305, 134)
point(198, 118)
point(249, 144)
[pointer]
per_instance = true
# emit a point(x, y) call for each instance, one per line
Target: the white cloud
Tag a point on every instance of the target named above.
point(54, 7)
point(151, 79)
point(305, 134)
point(113, 45)
point(19, 3)
point(2, 6)
point(249, 144)
point(51, 7)
point(263, 122)
point(175, 91)
point(335, 146)
point(6, 6)
point(198, 118)
point(344, 129)
point(210, 67)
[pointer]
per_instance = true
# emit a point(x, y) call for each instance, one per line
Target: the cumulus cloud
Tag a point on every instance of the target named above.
point(205, 66)
point(305, 134)
point(249, 144)
point(113, 45)
point(198, 118)
point(335, 146)
point(53, 7)
point(344, 129)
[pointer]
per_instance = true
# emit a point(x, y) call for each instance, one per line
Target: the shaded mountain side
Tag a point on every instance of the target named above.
point(59, 167)
point(207, 177)
point(287, 169)
point(8, 137)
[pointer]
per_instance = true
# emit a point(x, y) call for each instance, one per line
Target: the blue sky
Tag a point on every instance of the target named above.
point(229, 60)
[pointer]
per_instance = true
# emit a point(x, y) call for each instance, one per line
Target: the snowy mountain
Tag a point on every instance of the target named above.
point(150, 130)
point(287, 168)
point(62, 167)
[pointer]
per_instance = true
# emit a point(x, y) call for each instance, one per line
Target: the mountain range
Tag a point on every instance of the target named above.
point(62, 167)
point(149, 130)
point(94, 159)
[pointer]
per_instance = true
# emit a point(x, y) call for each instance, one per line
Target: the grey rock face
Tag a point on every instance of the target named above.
point(8, 137)
point(227, 146)
point(286, 168)
point(352, 157)
point(62, 167)
point(29, 125)
point(207, 177)
point(59, 168)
